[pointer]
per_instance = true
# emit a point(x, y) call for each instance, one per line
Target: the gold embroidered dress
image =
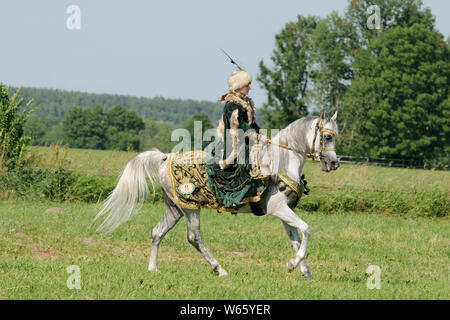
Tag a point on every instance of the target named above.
point(230, 179)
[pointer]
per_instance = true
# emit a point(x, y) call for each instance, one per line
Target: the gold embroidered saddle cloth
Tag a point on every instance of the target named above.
point(188, 177)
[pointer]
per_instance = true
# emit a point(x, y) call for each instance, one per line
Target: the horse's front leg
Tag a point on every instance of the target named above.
point(292, 232)
point(277, 207)
point(290, 219)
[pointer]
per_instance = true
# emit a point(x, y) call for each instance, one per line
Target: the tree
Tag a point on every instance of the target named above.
point(37, 128)
point(391, 84)
point(123, 119)
point(54, 135)
point(313, 66)
point(398, 105)
point(57, 103)
point(287, 82)
point(93, 129)
point(206, 124)
point(85, 128)
point(12, 138)
point(157, 134)
point(121, 140)
point(123, 127)
point(334, 43)
point(393, 13)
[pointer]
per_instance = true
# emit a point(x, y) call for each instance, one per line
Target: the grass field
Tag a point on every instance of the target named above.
point(110, 163)
point(36, 249)
point(412, 251)
point(352, 188)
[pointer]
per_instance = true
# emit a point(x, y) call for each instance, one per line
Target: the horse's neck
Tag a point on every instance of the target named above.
point(292, 164)
point(297, 136)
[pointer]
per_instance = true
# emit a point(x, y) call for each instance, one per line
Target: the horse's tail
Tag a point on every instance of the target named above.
point(130, 192)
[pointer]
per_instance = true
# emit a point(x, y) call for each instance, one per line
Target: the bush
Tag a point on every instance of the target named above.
point(12, 138)
point(433, 203)
point(49, 178)
point(54, 184)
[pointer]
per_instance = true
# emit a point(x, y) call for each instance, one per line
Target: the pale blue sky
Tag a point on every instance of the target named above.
point(150, 48)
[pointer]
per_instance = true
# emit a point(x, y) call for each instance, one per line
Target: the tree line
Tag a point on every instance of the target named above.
point(115, 129)
point(56, 103)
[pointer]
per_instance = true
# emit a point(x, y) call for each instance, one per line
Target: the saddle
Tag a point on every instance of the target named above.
point(188, 179)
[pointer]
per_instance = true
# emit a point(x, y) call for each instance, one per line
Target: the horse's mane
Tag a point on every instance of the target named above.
point(294, 127)
point(286, 134)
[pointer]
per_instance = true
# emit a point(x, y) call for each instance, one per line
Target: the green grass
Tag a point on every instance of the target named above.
point(359, 215)
point(110, 163)
point(98, 162)
point(36, 248)
point(352, 188)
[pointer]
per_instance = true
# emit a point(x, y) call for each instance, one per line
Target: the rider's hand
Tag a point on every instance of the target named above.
point(264, 139)
point(222, 164)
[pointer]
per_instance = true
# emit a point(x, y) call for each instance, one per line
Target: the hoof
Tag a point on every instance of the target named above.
point(153, 269)
point(309, 276)
point(290, 266)
point(222, 272)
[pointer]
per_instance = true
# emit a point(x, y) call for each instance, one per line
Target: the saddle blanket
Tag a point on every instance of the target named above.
point(188, 178)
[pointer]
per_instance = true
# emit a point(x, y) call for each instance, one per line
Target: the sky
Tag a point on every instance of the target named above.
point(150, 48)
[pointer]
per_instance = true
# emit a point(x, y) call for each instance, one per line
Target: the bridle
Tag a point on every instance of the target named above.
point(318, 129)
point(321, 129)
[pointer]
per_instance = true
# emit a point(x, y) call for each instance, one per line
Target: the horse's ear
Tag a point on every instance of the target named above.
point(334, 117)
point(322, 115)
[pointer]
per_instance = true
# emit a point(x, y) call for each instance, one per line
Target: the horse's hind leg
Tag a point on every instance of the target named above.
point(194, 238)
point(167, 222)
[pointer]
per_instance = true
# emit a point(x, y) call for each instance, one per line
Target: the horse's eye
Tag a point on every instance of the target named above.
point(328, 137)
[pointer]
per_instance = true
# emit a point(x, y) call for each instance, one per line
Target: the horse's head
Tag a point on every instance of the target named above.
point(327, 129)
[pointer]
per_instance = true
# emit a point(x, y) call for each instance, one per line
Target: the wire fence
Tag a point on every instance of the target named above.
point(391, 162)
point(386, 162)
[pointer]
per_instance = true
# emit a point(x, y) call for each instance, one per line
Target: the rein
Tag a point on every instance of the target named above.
point(319, 128)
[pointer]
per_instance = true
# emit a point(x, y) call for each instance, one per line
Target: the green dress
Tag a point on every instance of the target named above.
point(233, 183)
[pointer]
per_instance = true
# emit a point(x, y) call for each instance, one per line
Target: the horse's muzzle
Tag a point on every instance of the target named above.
point(328, 166)
point(335, 165)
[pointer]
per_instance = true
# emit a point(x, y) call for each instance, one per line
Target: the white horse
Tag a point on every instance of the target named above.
point(310, 136)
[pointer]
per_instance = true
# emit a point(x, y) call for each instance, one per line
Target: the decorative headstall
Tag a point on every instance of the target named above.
point(318, 129)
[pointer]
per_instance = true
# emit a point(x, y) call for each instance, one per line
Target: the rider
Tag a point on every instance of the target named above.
point(229, 167)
